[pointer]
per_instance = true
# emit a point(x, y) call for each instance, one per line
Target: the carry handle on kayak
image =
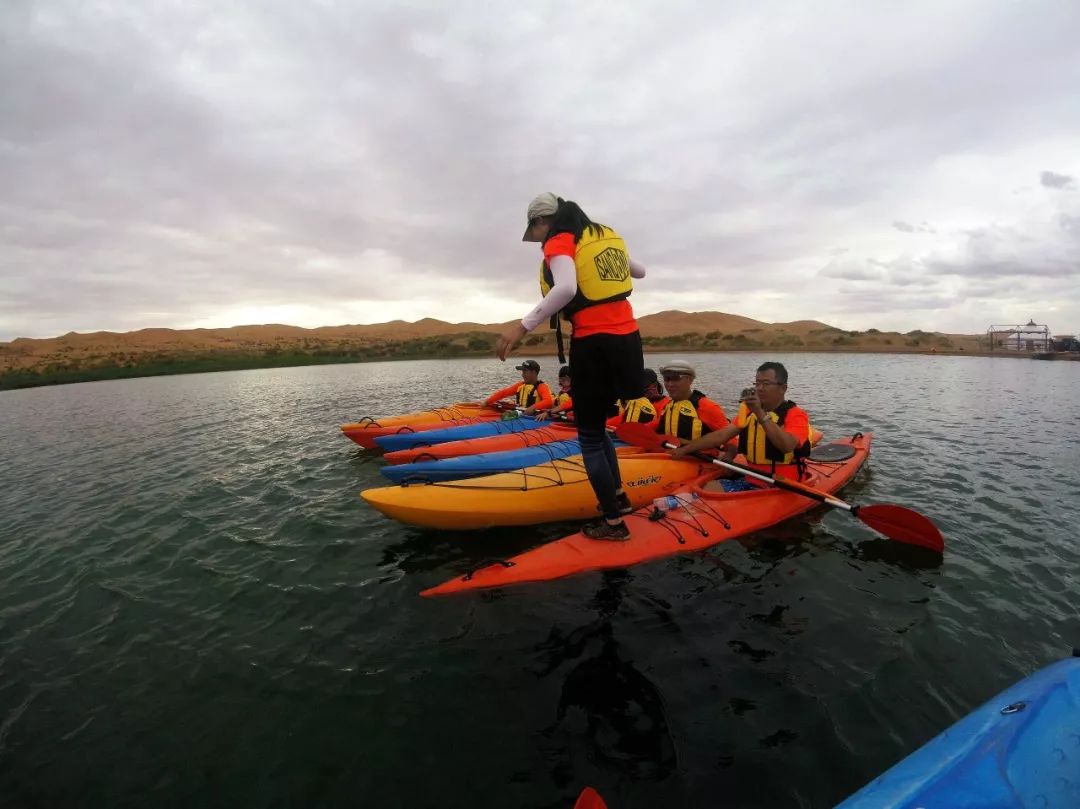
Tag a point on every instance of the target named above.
point(895, 522)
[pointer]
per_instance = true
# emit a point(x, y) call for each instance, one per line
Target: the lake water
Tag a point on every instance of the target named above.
point(196, 609)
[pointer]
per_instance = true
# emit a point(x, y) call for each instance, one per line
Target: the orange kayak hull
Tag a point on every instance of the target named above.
point(365, 431)
point(714, 517)
point(550, 492)
point(477, 446)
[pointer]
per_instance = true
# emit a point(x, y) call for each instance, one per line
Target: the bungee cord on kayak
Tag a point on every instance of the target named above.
point(895, 522)
point(537, 473)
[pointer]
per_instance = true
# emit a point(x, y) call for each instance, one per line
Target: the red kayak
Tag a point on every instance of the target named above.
point(490, 443)
point(711, 518)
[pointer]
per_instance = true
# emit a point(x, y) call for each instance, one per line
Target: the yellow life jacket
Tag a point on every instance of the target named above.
point(528, 395)
point(755, 445)
point(603, 271)
point(682, 419)
point(639, 410)
point(561, 398)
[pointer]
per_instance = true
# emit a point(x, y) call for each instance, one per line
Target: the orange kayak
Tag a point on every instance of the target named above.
point(712, 518)
point(557, 490)
point(478, 446)
point(365, 431)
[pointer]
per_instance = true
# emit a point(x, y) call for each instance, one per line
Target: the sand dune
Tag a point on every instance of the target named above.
point(670, 329)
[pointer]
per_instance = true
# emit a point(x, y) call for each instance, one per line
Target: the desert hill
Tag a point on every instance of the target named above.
point(104, 354)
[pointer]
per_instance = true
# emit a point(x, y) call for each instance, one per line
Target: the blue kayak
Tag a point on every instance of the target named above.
point(427, 438)
point(488, 463)
point(1020, 749)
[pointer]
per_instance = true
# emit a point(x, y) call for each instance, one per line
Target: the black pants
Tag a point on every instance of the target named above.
point(603, 368)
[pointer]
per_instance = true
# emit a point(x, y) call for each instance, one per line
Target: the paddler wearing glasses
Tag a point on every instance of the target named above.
point(690, 413)
point(773, 433)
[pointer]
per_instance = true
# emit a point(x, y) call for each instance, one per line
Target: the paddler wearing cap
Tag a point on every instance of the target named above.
point(531, 394)
point(773, 433)
point(645, 410)
point(689, 414)
point(564, 399)
point(586, 277)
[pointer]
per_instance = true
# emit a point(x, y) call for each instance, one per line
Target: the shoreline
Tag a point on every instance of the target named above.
point(18, 380)
point(97, 356)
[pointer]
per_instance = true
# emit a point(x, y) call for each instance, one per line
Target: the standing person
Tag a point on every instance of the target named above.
point(586, 277)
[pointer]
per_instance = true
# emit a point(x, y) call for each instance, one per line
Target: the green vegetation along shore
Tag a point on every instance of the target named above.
point(163, 364)
point(61, 369)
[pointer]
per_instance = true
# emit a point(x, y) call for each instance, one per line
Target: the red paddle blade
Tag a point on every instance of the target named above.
point(589, 799)
point(644, 436)
point(903, 525)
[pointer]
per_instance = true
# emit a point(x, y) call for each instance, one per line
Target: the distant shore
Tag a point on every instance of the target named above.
point(103, 355)
point(13, 380)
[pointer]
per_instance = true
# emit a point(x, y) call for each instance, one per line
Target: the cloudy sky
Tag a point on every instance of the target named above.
point(186, 163)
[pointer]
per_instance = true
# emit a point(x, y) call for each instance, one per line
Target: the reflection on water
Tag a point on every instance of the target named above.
point(904, 556)
point(608, 712)
point(614, 713)
point(190, 584)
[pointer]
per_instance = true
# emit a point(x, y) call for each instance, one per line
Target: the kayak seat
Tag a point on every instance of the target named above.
point(831, 453)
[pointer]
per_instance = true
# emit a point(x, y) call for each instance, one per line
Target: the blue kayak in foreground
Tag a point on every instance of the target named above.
point(486, 463)
point(1020, 749)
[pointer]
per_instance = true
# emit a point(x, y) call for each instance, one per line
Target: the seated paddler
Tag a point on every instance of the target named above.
point(564, 400)
point(688, 413)
point(530, 394)
point(772, 432)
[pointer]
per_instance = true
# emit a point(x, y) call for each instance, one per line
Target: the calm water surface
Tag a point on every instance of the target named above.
point(196, 609)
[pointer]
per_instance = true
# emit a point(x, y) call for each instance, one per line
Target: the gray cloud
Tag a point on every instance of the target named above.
point(871, 303)
point(984, 274)
point(1052, 180)
point(905, 227)
point(164, 164)
point(852, 270)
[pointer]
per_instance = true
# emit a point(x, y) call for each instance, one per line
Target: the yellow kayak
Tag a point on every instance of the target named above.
point(549, 492)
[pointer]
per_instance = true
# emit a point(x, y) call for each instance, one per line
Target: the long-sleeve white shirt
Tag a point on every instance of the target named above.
point(563, 289)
